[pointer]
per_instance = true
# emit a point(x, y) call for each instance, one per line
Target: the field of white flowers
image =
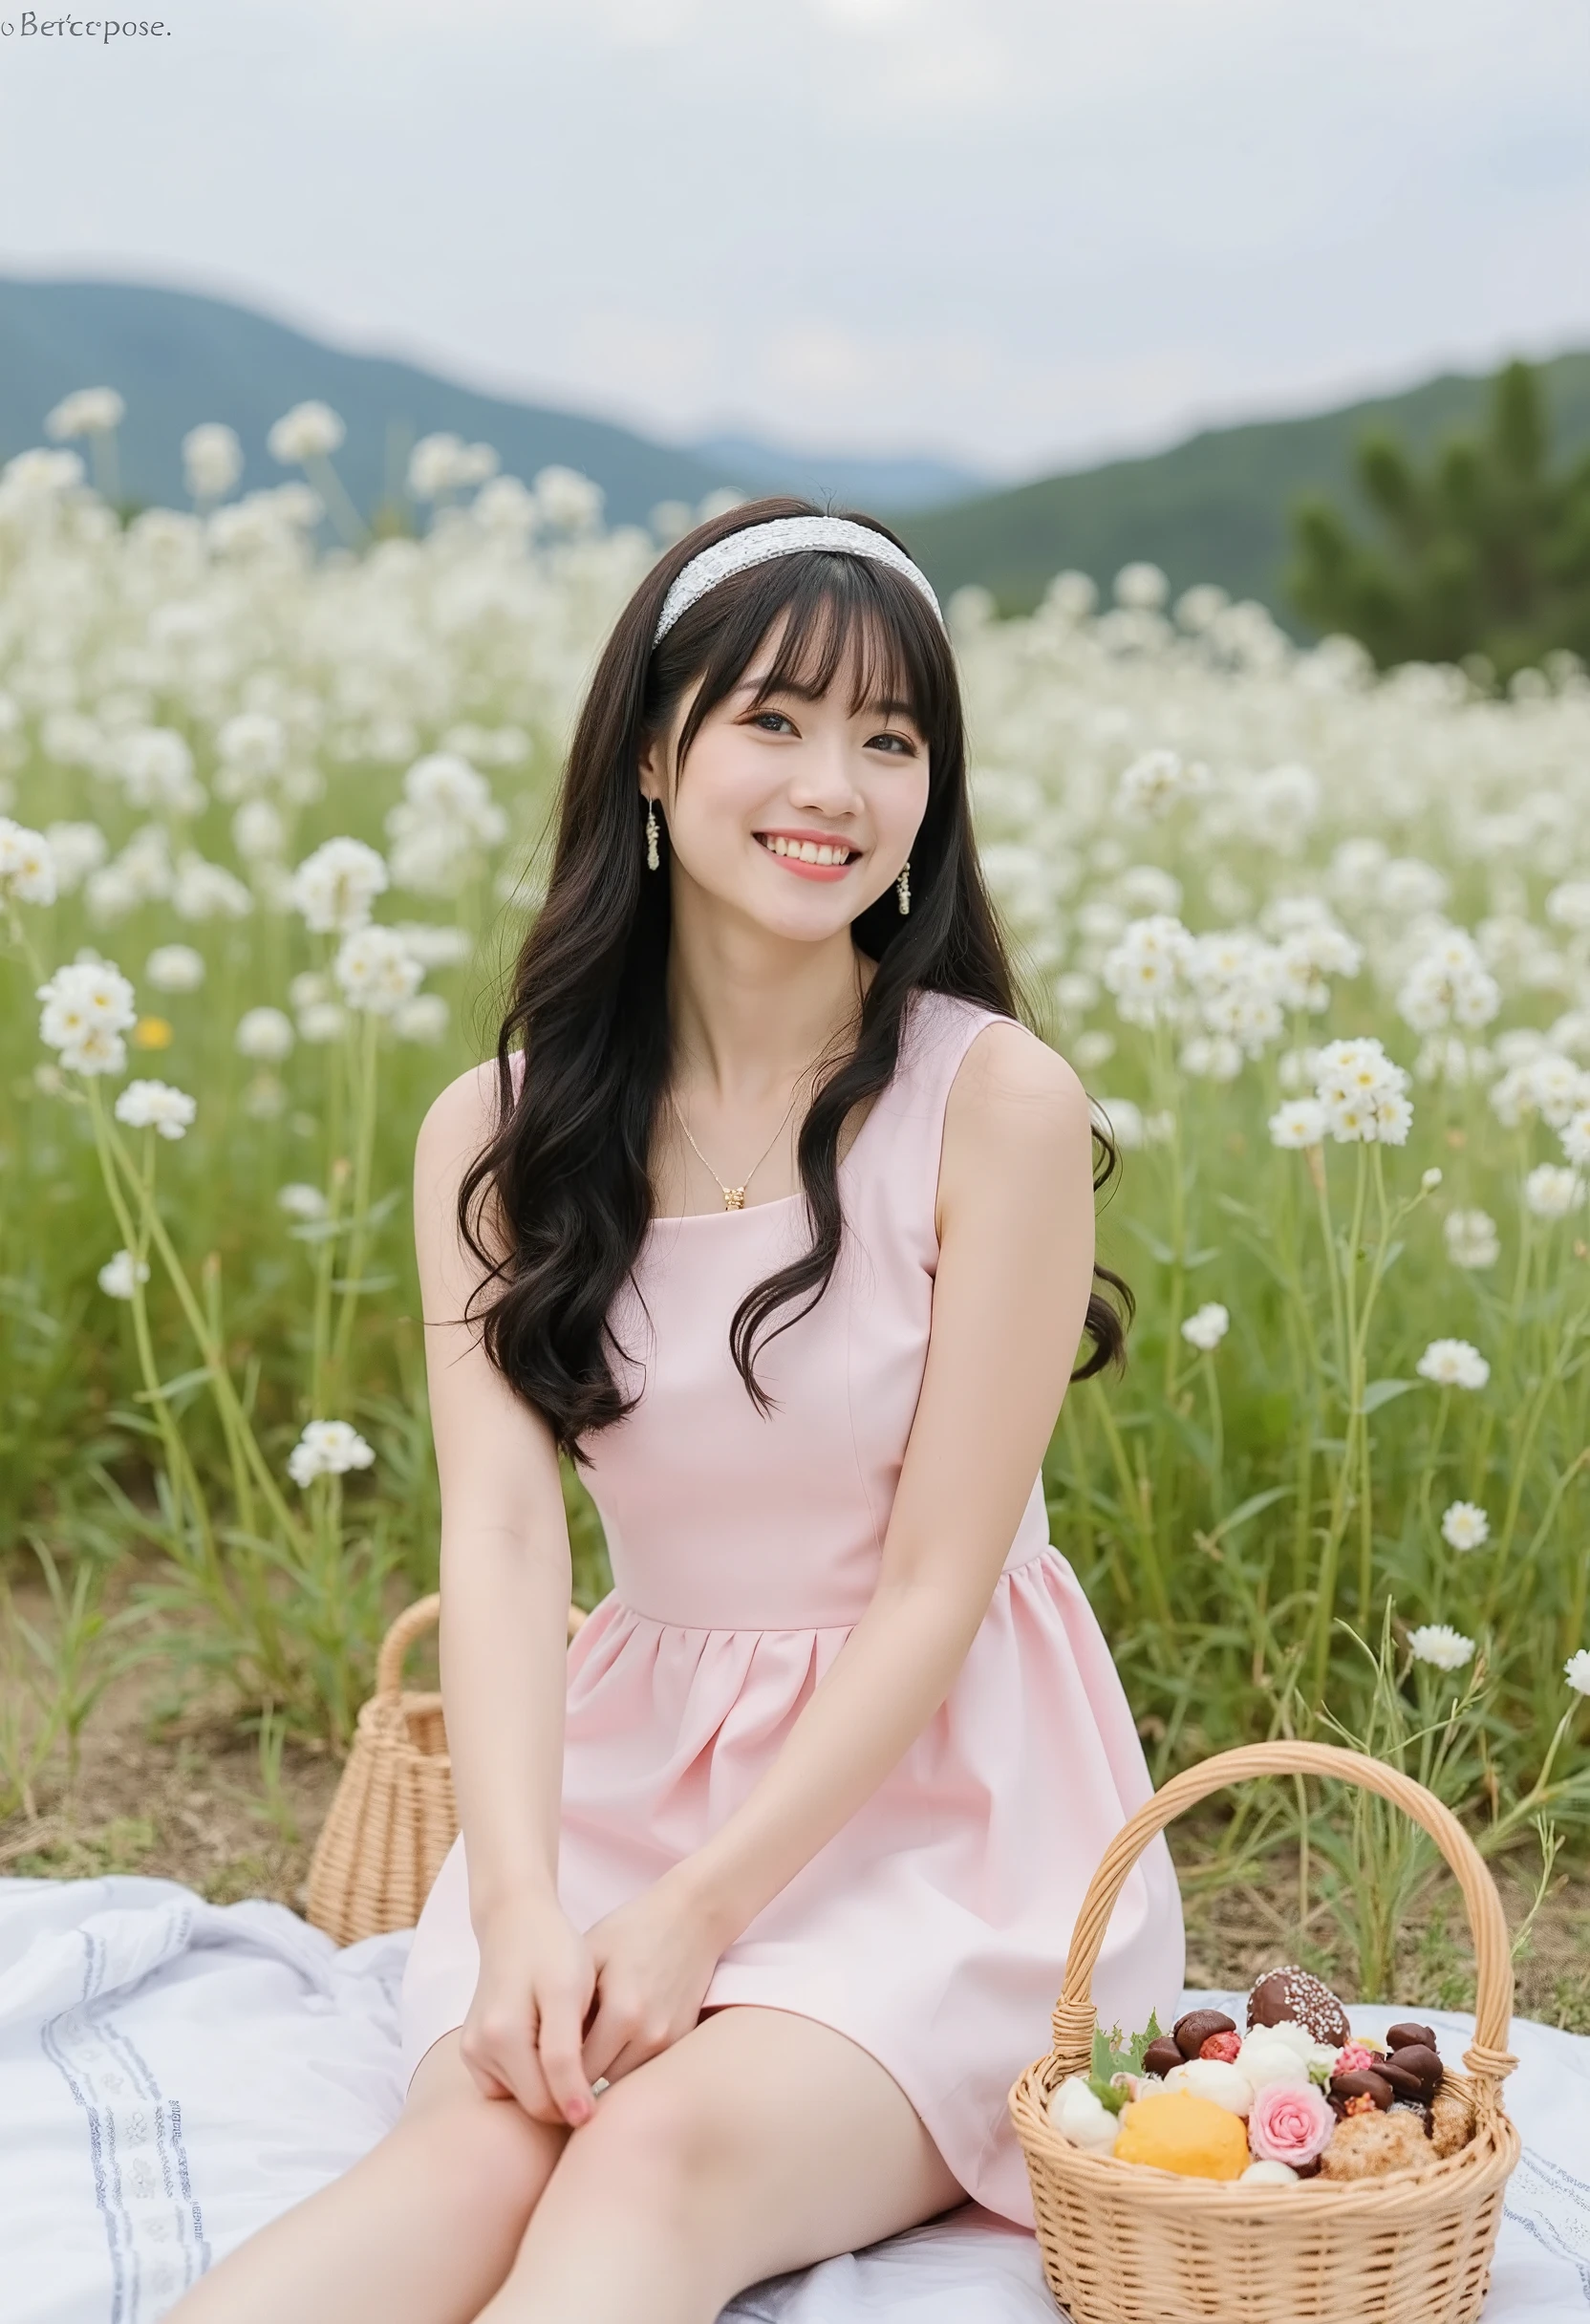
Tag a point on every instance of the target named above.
point(1319, 942)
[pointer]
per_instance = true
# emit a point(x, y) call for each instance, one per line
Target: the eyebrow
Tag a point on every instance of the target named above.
point(886, 709)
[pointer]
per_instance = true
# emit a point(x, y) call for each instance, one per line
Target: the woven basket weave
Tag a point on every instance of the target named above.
point(393, 1816)
point(1127, 2244)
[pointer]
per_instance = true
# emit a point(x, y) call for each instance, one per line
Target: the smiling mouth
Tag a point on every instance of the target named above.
point(832, 857)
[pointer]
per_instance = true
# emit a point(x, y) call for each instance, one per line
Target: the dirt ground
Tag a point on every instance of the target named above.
point(187, 1804)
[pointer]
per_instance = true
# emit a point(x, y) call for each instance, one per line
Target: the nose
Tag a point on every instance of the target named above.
point(822, 779)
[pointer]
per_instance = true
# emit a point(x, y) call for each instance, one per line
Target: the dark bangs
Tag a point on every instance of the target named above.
point(839, 617)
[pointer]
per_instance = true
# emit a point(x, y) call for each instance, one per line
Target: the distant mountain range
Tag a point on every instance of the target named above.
point(178, 357)
point(1214, 509)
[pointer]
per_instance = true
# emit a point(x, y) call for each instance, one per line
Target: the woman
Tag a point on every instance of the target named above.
point(761, 1905)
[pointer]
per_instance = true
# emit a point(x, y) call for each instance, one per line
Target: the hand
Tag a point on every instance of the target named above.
point(522, 2036)
point(654, 1957)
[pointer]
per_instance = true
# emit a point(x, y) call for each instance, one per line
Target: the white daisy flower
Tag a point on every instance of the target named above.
point(1551, 1192)
point(376, 970)
point(264, 1034)
point(1577, 1670)
point(309, 431)
point(212, 460)
point(88, 411)
point(1207, 1326)
point(1453, 1364)
point(1465, 1525)
point(301, 1201)
point(1471, 1239)
point(327, 1448)
point(27, 871)
point(322, 1020)
point(156, 1105)
point(1439, 1645)
point(116, 1275)
point(1298, 1122)
point(336, 886)
point(88, 1006)
point(175, 968)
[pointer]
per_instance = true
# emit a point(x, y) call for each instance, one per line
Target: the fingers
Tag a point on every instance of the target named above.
point(625, 2035)
point(504, 2062)
point(558, 2048)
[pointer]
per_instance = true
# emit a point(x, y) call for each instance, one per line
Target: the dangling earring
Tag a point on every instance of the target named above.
point(902, 885)
point(652, 856)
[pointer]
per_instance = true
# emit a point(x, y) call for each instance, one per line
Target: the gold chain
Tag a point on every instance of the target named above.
point(734, 1197)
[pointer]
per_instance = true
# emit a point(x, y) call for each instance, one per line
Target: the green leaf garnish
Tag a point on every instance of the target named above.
point(1114, 2053)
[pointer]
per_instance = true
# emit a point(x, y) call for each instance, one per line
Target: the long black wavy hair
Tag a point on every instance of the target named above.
point(568, 1162)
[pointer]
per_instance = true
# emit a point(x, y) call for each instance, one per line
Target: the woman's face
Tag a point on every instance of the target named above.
point(798, 812)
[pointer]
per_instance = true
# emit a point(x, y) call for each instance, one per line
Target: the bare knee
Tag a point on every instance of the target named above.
point(484, 2159)
point(657, 2139)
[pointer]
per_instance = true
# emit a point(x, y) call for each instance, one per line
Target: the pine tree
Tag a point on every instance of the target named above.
point(1487, 554)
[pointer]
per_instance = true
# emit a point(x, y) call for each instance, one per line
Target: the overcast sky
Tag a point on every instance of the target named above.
point(1024, 232)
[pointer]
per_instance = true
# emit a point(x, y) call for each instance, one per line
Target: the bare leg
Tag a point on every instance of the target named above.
point(758, 2142)
point(422, 2230)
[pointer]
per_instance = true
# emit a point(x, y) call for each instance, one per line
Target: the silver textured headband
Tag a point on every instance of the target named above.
point(780, 536)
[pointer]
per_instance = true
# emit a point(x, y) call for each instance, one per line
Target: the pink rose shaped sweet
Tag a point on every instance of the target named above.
point(1354, 2059)
point(1289, 2124)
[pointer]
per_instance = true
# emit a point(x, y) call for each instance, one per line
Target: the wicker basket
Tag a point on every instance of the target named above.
point(1127, 2244)
point(393, 1816)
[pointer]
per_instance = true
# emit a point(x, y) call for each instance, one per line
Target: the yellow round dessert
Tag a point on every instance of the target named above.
point(1175, 2130)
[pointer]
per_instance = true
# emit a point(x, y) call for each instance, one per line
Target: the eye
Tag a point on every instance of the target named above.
point(898, 745)
point(771, 722)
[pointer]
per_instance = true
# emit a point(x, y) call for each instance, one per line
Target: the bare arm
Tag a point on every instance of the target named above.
point(506, 1577)
point(1014, 1270)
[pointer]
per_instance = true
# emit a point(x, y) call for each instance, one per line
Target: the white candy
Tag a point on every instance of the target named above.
point(1212, 2078)
point(1282, 2054)
point(1270, 2174)
point(1079, 2115)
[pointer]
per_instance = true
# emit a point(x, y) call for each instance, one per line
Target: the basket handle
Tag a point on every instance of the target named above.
point(1487, 2060)
point(412, 1622)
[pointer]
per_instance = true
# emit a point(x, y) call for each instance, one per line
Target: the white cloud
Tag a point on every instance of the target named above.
point(1028, 228)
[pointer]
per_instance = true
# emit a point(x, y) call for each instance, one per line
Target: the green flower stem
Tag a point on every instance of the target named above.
point(135, 1240)
point(1316, 1157)
point(20, 937)
point(1366, 1493)
point(1534, 1412)
point(1133, 1500)
point(242, 1495)
point(1352, 1386)
point(1487, 1419)
point(324, 1266)
point(1163, 1084)
point(220, 1380)
point(1542, 1792)
point(363, 1171)
point(1217, 1492)
point(1427, 1477)
point(1084, 1517)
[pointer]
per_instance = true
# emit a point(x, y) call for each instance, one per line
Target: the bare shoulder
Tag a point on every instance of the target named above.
point(1010, 1083)
point(458, 1122)
point(1016, 1121)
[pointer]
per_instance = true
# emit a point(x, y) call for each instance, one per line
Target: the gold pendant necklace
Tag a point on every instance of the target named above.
point(734, 1197)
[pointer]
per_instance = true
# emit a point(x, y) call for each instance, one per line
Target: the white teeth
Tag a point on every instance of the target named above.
point(807, 851)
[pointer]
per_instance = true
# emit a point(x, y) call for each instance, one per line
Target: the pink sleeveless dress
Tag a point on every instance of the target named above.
point(932, 1928)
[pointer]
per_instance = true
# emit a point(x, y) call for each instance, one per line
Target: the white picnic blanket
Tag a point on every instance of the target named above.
point(173, 2073)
